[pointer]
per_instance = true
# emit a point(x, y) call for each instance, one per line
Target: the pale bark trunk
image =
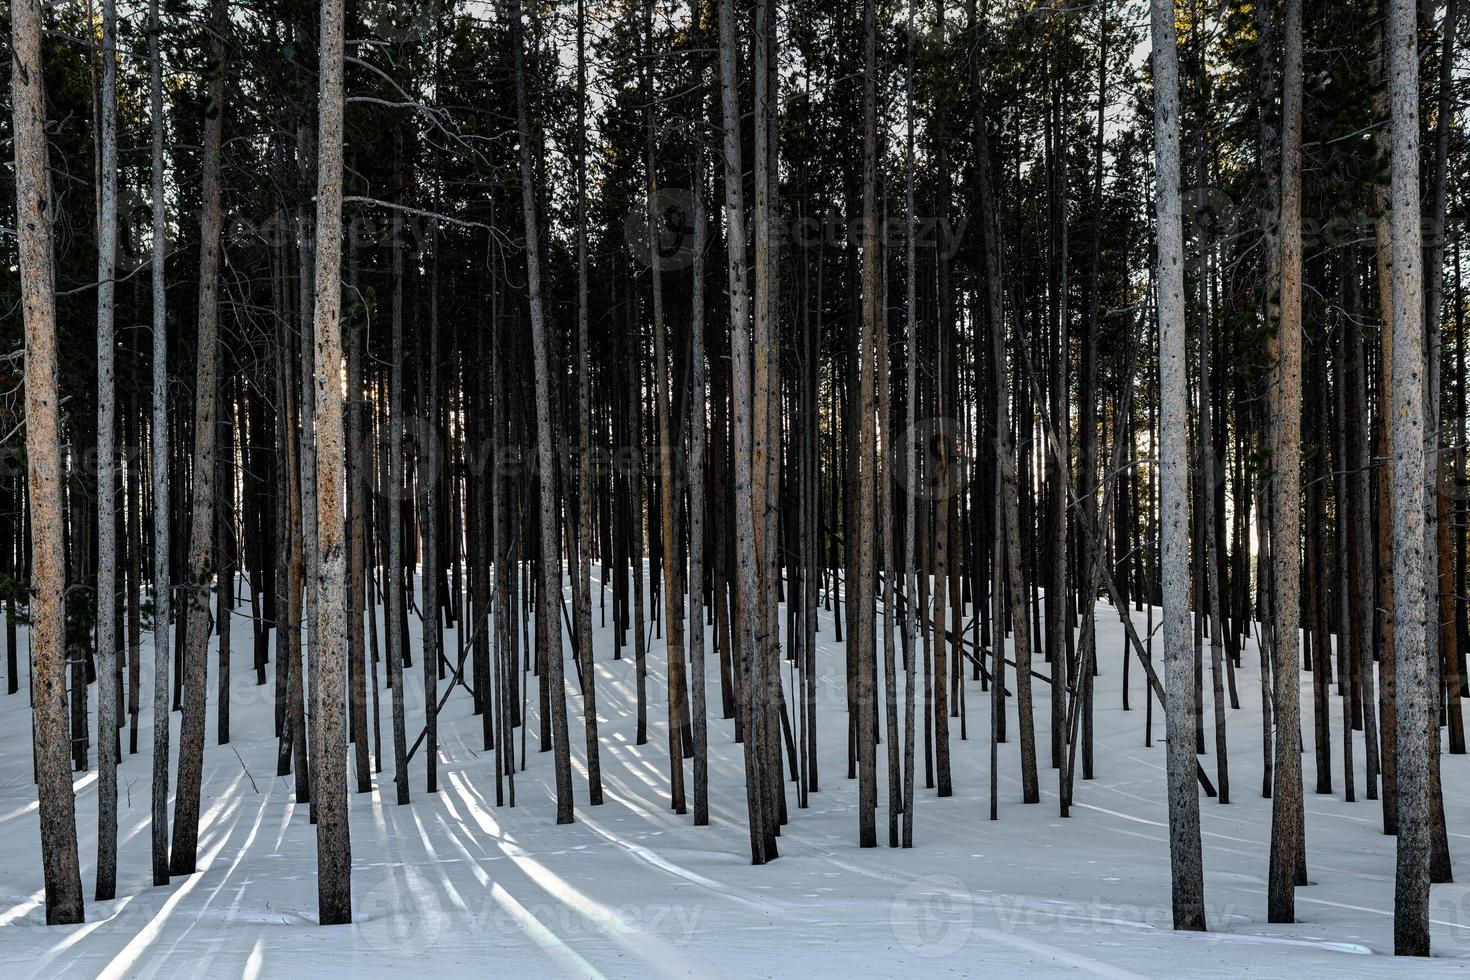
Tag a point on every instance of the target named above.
point(333, 847)
point(762, 844)
point(57, 804)
point(162, 587)
point(1411, 645)
point(106, 475)
point(1184, 830)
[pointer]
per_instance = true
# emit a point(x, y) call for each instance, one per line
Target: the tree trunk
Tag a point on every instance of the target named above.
point(910, 461)
point(582, 592)
point(393, 498)
point(162, 585)
point(333, 848)
point(863, 543)
point(201, 528)
point(762, 843)
point(663, 395)
point(549, 603)
point(1184, 830)
point(1009, 488)
point(1287, 844)
point(106, 476)
point(359, 552)
point(1411, 641)
point(696, 425)
point(57, 804)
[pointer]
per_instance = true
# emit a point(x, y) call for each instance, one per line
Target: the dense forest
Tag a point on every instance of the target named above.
point(990, 349)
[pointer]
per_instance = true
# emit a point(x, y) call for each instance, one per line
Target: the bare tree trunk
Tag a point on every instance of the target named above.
point(910, 462)
point(941, 483)
point(1268, 216)
point(1362, 512)
point(289, 676)
point(162, 587)
point(1209, 575)
point(43, 469)
point(1184, 831)
point(201, 529)
point(1009, 488)
point(864, 545)
point(696, 424)
point(224, 568)
point(1091, 545)
point(762, 843)
point(134, 573)
point(582, 591)
point(106, 476)
point(333, 843)
point(1348, 607)
point(662, 396)
point(1383, 439)
point(305, 238)
point(393, 501)
point(1439, 587)
point(359, 468)
point(889, 588)
point(765, 411)
point(549, 604)
point(430, 474)
point(1287, 844)
point(1411, 642)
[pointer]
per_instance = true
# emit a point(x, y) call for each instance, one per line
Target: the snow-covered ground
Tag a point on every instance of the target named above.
point(455, 886)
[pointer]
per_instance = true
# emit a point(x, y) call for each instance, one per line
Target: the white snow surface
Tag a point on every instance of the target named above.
point(453, 885)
